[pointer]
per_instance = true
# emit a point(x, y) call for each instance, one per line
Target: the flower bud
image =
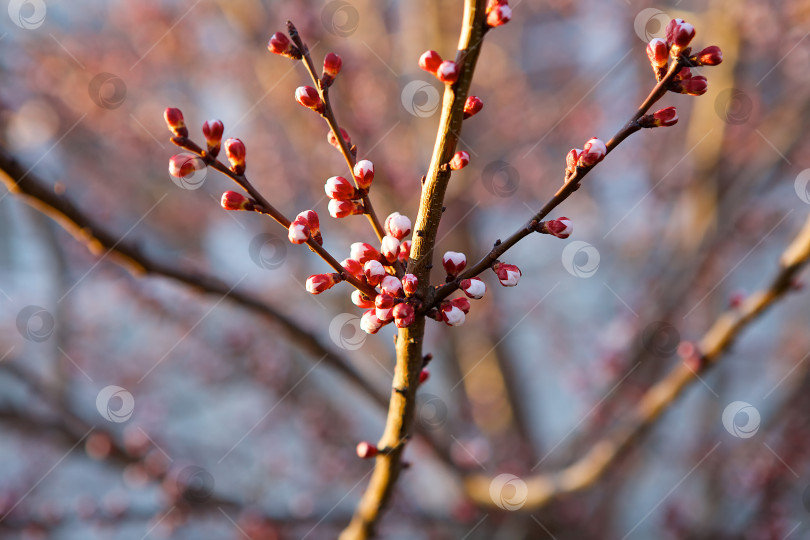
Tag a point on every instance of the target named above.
point(658, 53)
point(374, 272)
point(424, 375)
point(281, 45)
point(331, 67)
point(693, 86)
point(409, 284)
point(430, 61)
point(679, 35)
point(385, 315)
point(452, 315)
point(561, 227)
point(299, 232)
point(498, 13)
point(710, 56)
point(235, 150)
point(592, 153)
point(364, 173)
point(404, 315)
point(404, 251)
point(472, 106)
point(508, 274)
point(665, 117)
point(330, 137)
point(340, 189)
point(370, 323)
point(232, 200)
point(354, 268)
point(309, 98)
point(361, 300)
point(318, 283)
point(448, 72)
point(341, 209)
point(460, 160)
point(384, 301)
point(182, 165)
point(174, 119)
point(571, 160)
point(311, 219)
point(363, 252)
point(366, 450)
point(461, 303)
point(397, 225)
point(474, 288)
point(391, 285)
point(212, 131)
point(454, 262)
point(390, 248)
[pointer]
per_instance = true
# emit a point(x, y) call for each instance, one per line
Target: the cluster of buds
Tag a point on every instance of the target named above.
point(281, 45)
point(306, 225)
point(560, 227)
point(498, 13)
point(592, 153)
point(679, 35)
point(182, 165)
point(345, 198)
point(686, 83)
point(446, 71)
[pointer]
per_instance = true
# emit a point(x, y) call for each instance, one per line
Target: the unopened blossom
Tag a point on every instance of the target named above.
point(354, 268)
point(364, 173)
point(473, 288)
point(430, 61)
point(454, 262)
point(472, 106)
point(361, 300)
point(182, 165)
point(370, 323)
point(679, 35)
point(508, 274)
point(409, 284)
point(404, 315)
point(363, 252)
point(397, 225)
point(365, 449)
point(319, 283)
point(175, 122)
point(389, 248)
point(341, 209)
point(235, 150)
point(340, 189)
point(459, 160)
point(391, 285)
point(232, 200)
point(452, 315)
point(374, 272)
point(299, 232)
point(448, 72)
point(212, 131)
point(592, 153)
point(560, 227)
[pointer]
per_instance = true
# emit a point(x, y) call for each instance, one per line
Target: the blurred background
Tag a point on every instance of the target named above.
point(137, 407)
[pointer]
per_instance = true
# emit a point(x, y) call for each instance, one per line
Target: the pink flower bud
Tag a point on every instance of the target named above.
point(710, 56)
point(309, 98)
point(592, 153)
point(354, 268)
point(430, 61)
point(571, 160)
point(362, 252)
point(391, 285)
point(341, 209)
point(498, 13)
point(404, 315)
point(454, 262)
point(460, 160)
point(404, 251)
point(318, 283)
point(299, 232)
point(175, 122)
point(452, 315)
point(448, 72)
point(474, 288)
point(409, 284)
point(232, 200)
point(561, 227)
point(212, 131)
point(332, 64)
point(385, 315)
point(330, 137)
point(364, 173)
point(361, 300)
point(370, 323)
point(472, 106)
point(424, 375)
point(281, 45)
point(311, 219)
point(679, 35)
point(235, 150)
point(658, 53)
point(384, 301)
point(340, 189)
point(182, 165)
point(390, 248)
point(374, 271)
point(397, 225)
point(693, 86)
point(366, 450)
point(508, 274)
point(461, 303)
point(665, 117)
